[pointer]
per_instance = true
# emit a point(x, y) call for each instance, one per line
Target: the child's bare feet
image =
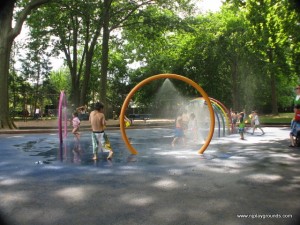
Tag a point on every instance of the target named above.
point(109, 157)
point(95, 157)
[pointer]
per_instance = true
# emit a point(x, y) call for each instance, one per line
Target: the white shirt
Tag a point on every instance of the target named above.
point(256, 120)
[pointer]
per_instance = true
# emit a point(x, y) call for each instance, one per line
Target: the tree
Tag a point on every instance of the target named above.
point(7, 36)
point(83, 26)
point(268, 21)
point(36, 68)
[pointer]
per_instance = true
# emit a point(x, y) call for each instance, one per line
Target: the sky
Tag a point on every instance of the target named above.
point(204, 6)
point(209, 5)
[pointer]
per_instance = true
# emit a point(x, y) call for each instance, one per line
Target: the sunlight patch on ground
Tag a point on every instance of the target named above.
point(166, 184)
point(14, 197)
point(264, 178)
point(177, 153)
point(10, 181)
point(137, 200)
point(73, 194)
point(283, 156)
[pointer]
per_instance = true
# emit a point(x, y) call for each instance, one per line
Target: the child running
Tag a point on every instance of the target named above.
point(76, 125)
point(256, 123)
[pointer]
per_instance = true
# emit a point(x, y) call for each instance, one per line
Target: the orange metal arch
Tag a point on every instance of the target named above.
point(164, 76)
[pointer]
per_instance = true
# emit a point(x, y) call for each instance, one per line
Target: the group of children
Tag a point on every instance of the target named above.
point(184, 121)
point(240, 120)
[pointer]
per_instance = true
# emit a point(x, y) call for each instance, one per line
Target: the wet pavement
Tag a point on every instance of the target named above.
point(42, 182)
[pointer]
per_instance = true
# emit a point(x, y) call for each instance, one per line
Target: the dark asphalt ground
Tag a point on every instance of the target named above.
point(43, 183)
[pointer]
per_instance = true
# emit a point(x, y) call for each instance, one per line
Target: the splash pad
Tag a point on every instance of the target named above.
point(166, 76)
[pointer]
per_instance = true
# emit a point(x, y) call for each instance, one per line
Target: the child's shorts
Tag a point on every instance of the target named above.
point(179, 132)
point(294, 132)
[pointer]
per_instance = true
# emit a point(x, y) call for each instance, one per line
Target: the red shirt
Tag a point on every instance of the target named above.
point(297, 115)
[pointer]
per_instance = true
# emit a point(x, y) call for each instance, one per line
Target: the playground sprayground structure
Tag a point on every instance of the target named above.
point(211, 103)
point(233, 179)
point(215, 108)
point(222, 114)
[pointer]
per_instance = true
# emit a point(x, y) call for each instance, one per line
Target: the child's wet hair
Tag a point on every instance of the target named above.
point(242, 116)
point(98, 106)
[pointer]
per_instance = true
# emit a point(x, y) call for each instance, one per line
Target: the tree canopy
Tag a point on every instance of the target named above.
point(246, 55)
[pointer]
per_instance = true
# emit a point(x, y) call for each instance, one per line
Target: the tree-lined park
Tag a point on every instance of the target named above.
point(246, 54)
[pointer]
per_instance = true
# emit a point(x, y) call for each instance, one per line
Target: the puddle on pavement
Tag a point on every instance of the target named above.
point(70, 152)
point(47, 150)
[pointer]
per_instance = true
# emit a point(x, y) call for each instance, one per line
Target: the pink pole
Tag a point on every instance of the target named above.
point(62, 116)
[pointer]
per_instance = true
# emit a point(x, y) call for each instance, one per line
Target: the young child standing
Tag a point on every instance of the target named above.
point(241, 124)
point(98, 124)
point(76, 125)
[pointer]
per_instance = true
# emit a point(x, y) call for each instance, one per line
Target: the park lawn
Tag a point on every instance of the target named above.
point(284, 118)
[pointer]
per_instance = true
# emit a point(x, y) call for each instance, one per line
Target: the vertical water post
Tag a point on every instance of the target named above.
point(62, 117)
point(62, 122)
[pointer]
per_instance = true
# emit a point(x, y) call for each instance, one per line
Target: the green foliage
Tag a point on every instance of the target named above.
point(59, 80)
point(247, 55)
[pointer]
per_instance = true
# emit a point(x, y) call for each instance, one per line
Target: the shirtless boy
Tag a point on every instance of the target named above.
point(98, 123)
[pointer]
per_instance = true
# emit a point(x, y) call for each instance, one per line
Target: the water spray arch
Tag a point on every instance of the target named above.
point(219, 109)
point(217, 112)
point(222, 112)
point(225, 110)
point(164, 76)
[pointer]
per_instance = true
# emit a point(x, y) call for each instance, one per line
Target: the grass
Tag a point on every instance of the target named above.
point(284, 118)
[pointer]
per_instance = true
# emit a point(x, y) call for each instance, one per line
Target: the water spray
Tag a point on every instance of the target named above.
point(165, 76)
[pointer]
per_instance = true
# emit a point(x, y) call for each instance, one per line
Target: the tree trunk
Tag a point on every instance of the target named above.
point(6, 41)
point(89, 59)
point(86, 77)
point(105, 50)
point(7, 36)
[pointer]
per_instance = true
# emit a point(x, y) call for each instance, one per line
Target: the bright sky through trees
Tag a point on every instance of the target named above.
point(209, 5)
point(57, 62)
